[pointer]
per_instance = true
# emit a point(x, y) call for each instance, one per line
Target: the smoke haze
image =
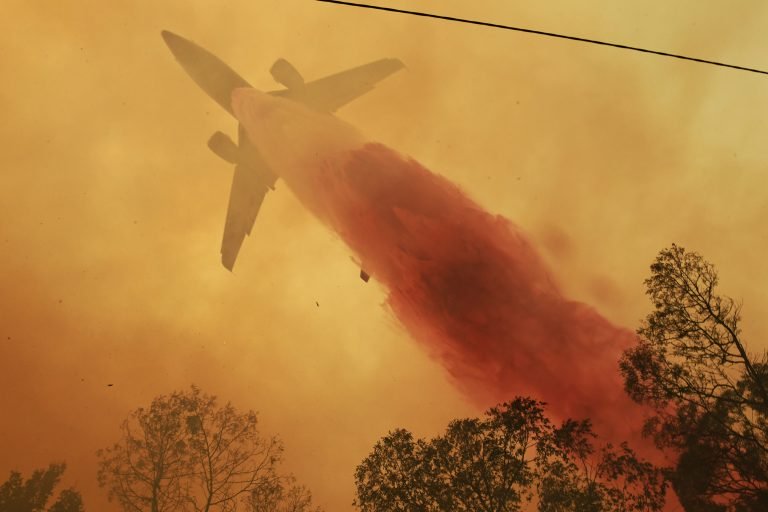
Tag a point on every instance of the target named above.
point(113, 207)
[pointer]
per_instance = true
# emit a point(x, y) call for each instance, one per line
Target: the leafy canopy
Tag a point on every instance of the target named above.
point(708, 392)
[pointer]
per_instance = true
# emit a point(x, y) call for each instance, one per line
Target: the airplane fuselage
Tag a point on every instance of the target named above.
point(293, 139)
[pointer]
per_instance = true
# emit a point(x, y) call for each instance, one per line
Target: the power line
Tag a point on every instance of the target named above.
point(543, 33)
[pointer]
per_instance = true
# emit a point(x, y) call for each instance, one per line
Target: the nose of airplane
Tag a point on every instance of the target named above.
point(175, 43)
point(208, 71)
point(186, 52)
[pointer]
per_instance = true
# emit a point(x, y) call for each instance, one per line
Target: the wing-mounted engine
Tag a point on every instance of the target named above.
point(224, 147)
point(284, 73)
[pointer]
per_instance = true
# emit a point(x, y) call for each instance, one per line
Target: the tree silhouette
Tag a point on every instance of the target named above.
point(17, 495)
point(281, 495)
point(511, 457)
point(229, 458)
point(574, 477)
point(146, 471)
point(188, 453)
point(709, 394)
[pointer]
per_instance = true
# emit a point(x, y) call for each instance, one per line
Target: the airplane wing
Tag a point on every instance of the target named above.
point(250, 183)
point(332, 92)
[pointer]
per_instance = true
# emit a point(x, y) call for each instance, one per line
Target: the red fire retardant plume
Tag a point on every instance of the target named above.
point(466, 284)
point(470, 287)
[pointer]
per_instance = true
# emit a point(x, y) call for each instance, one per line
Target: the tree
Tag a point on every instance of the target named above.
point(147, 470)
point(17, 495)
point(499, 463)
point(574, 478)
point(229, 458)
point(709, 394)
point(487, 464)
point(188, 453)
point(281, 495)
point(396, 476)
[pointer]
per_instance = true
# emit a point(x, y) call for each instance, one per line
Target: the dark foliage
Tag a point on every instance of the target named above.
point(187, 453)
point(32, 495)
point(709, 394)
point(511, 457)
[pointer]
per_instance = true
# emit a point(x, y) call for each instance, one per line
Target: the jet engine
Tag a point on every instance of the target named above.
point(284, 73)
point(224, 147)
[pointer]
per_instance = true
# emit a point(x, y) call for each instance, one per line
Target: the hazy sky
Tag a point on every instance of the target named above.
point(112, 207)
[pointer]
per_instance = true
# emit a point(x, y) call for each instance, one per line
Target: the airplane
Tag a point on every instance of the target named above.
point(252, 177)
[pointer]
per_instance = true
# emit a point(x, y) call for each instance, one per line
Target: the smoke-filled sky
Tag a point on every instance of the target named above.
point(113, 207)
